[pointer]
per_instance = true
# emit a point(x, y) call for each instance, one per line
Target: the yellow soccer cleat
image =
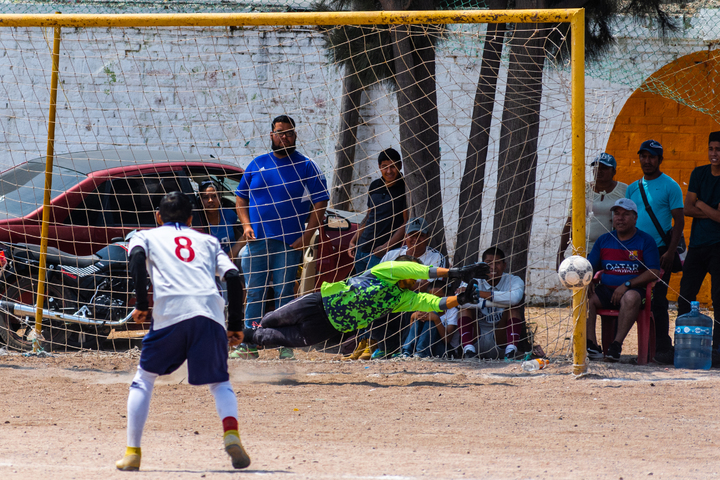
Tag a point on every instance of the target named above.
point(238, 455)
point(131, 461)
point(369, 350)
point(358, 351)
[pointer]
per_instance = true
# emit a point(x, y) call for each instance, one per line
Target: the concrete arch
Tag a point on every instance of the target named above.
point(682, 127)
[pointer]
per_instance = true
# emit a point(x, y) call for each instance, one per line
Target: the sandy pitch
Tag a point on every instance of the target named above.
point(64, 417)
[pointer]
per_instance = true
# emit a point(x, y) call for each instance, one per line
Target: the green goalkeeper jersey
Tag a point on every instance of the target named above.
point(357, 301)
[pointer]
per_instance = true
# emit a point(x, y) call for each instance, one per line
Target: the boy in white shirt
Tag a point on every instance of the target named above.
point(498, 317)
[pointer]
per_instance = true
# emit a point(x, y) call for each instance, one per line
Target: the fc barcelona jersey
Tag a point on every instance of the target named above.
point(624, 260)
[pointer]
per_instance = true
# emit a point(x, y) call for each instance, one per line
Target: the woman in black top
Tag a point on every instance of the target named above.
point(388, 211)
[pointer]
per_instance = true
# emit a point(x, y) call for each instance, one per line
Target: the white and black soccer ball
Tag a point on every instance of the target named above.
point(575, 272)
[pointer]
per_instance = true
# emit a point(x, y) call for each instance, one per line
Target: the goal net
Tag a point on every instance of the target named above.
point(480, 113)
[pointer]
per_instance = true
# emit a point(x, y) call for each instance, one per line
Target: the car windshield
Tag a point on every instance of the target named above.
point(21, 188)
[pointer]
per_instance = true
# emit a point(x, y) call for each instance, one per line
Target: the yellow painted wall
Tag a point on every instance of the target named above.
point(682, 131)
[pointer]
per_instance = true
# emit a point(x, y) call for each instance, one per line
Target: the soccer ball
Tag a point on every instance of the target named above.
point(575, 272)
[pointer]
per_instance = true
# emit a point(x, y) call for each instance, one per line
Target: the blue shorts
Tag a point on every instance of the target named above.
point(199, 340)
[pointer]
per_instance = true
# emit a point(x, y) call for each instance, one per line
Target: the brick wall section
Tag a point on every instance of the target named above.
point(683, 133)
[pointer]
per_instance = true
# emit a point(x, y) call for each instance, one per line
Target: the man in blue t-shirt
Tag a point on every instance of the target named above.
point(630, 260)
point(665, 197)
point(702, 202)
point(279, 192)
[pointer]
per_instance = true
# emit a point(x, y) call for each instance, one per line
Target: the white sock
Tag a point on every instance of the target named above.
point(469, 348)
point(225, 399)
point(138, 405)
point(509, 349)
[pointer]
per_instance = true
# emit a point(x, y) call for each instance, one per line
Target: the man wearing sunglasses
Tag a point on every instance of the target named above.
point(281, 201)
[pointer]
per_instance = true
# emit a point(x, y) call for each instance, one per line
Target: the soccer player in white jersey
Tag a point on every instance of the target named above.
point(188, 320)
point(499, 315)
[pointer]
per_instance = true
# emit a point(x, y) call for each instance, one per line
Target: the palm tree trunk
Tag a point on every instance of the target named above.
point(347, 140)
point(517, 163)
point(467, 244)
point(417, 109)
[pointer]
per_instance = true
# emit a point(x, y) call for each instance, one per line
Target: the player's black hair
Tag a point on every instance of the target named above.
point(408, 258)
point(389, 154)
point(207, 183)
point(495, 252)
point(282, 119)
point(175, 207)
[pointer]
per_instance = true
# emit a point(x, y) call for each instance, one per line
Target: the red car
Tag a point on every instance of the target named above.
point(101, 195)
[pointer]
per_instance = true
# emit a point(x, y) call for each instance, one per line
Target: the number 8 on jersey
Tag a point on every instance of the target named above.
point(184, 249)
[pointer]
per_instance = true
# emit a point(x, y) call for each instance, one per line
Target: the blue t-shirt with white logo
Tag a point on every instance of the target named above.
point(664, 195)
point(280, 193)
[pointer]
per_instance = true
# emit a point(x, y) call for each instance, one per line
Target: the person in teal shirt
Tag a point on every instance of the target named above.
point(354, 303)
point(666, 199)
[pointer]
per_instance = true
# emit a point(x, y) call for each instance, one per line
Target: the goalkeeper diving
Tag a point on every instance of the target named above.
point(354, 303)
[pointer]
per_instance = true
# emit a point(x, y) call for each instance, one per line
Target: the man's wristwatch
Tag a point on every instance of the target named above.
point(627, 284)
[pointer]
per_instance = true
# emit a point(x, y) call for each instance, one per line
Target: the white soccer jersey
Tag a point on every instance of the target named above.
point(182, 264)
point(508, 292)
point(431, 257)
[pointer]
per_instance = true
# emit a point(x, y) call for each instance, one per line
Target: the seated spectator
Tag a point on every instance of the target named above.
point(432, 335)
point(600, 196)
point(387, 212)
point(386, 332)
point(222, 222)
point(499, 316)
point(630, 260)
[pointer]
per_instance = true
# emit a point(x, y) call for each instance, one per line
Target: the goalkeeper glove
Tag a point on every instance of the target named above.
point(476, 270)
point(470, 295)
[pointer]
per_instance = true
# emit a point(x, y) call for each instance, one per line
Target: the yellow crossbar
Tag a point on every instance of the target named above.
point(299, 18)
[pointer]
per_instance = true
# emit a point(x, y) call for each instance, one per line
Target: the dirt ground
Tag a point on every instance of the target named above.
point(316, 418)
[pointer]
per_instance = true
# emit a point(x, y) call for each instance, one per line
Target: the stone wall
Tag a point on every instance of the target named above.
point(214, 91)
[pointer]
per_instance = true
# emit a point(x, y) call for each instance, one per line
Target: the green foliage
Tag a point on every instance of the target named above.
point(366, 51)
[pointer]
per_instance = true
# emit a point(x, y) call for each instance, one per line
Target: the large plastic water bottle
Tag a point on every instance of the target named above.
point(693, 339)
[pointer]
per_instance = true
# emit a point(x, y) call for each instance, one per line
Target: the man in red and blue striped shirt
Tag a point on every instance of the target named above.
point(630, 260)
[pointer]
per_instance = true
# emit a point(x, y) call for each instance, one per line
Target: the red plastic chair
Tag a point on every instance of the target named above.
point(645, 326)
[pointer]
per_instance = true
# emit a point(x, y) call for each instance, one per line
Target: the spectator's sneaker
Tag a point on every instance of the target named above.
point(357, 352)
point(406, 355)
point(378, 354)
point(512, 353)
point(614, 352)
point(666, 357)
point(594, 352)
point(246, 352)
point(469, 354)
point(287, 353)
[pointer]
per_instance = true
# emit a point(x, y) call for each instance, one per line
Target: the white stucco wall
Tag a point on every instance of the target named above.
point(214, 91)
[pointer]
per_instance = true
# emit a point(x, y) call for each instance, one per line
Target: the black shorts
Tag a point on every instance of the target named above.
point(605, 293)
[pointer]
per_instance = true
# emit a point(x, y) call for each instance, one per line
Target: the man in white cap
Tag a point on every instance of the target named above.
point(630, 260)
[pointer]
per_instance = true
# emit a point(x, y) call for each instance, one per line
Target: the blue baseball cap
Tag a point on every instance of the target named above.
point(417, 224)
point(626, 204)
point(605, 159)
point(652, 146)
